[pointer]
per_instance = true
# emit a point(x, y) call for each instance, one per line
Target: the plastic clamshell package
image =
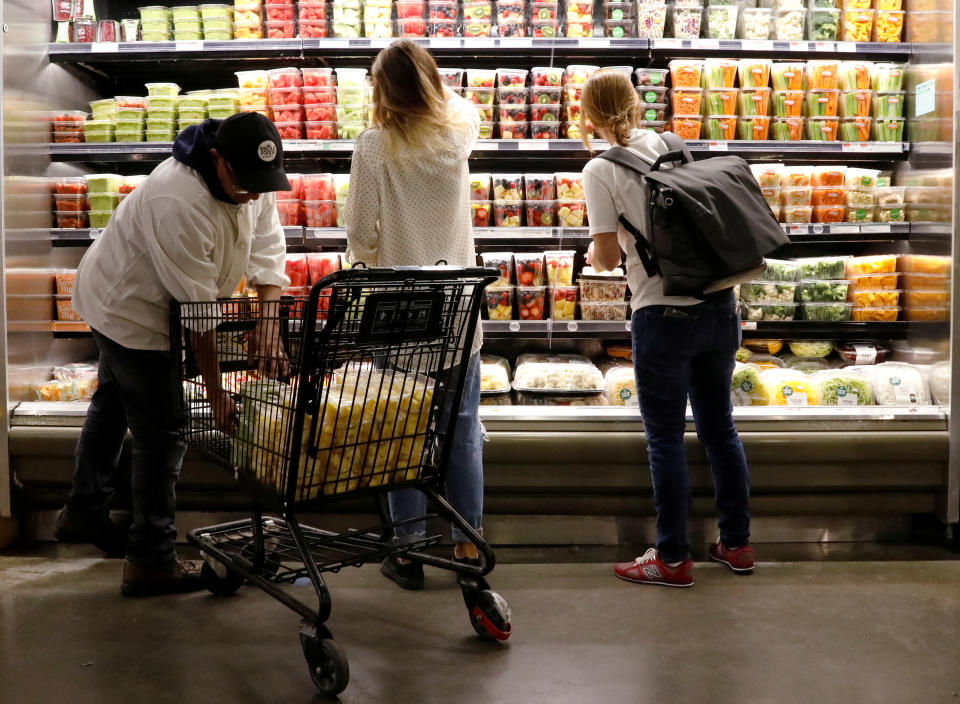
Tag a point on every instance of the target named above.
point(494, 374)
point(557, 372)
point(769, 311)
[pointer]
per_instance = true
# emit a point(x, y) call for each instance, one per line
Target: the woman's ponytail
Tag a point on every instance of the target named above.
point(609, 101)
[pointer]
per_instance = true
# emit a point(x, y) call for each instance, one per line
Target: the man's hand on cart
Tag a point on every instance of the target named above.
point(224, 411)
point(266, 347)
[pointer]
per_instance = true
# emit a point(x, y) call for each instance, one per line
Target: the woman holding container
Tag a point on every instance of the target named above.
point(682, 347)
point(408, 204)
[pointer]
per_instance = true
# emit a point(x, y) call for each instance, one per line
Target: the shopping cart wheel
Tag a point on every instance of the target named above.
point(328, 665)
point(221, 586)
point(489, 612)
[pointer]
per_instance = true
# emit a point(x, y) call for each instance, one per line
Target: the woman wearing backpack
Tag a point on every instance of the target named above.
point(408, 204)
point(682, 347)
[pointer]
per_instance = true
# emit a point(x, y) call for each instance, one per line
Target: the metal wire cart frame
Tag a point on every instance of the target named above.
point(346, 392)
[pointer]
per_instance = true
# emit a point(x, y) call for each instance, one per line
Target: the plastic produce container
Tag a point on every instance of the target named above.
point(856, 129)
point(684, 73)
point(502, 261)
point(789, 24)
point(788, 103)
point(875, 299)
point(769, 291)
point(721, 21)
point(855, 75)
point(827, 312)
point(885, 314)
point(685, 21)
point(857, 25)
point(603, 311)
point(686, 101)
point(754, 73)
point(888, 130)
point(499, 302)
point(658, 76)
point(531, 302)
point(720, 101)
point(651, 20)
point(822, 103)
point(755, 23)
point(823, 24)
point(480, 211)
point(755, 101)
point(927, 282)
point(823, 129)
point(819, 291)
point(787, 75)
point(769, 311)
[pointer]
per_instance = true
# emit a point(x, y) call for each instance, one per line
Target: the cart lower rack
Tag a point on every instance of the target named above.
point(350, 391)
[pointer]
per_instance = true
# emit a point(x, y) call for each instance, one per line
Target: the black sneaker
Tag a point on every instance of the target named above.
point(105, 534)
point(174, 577)
point(407, 575)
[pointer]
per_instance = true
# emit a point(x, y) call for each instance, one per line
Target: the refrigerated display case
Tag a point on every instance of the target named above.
point(568, 451)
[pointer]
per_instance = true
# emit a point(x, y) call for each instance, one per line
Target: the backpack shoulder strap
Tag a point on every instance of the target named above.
point(630, 160)
point(627, 158)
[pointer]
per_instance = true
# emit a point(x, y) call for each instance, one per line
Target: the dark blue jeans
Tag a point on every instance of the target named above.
point(681, 352)
point(139, 389)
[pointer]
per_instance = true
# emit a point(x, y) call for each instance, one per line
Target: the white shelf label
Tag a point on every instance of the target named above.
point(817, 229)
point(707, 44)
point(844, 229)
point(105, 47)
point(756, 45)
point(486, 146)
point(335, 43)
point(794, 399)
point(847, 47)
point(516, 42)
point(596, 43)
point(847, 396)
point(926, 97)
point(798, 229)
point(880, 228)
point(748, 325)
point(572, 327)
point(799, 46)
point(514, 326)
point(718, 146)
point(192, 45)
point(668, 43)
point(536, 145)
point(476, 42)
point(825, 46)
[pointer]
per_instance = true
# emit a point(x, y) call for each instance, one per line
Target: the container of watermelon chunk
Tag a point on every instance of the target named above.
point(320, 213)
point(318, 187)
point(320, 112)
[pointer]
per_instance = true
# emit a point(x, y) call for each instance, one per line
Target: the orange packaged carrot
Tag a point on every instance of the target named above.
point(828, 213)
point(788, 129)
point(686, 101)
point(685, 73)
point(687, 127)
point(822, 75)
point(827, 176)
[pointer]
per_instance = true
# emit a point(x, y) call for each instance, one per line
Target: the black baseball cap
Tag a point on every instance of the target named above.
point(251, 145)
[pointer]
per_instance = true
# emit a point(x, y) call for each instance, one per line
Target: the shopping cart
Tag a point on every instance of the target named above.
point(356, 400)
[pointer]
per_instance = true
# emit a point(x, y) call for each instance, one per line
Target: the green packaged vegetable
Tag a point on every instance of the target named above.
point(769, 311)
point(781, 270)
point(842, 388)
point(823, 267)
point(827, 312)
point(745, 387)
point(889, 104)
point(888, 130)
point(822, 24)
point(887, 77)
point(823, 291)
point(811, 348)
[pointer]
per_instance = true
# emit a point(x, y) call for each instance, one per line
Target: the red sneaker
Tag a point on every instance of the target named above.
point(650, 569)
point(740, 560)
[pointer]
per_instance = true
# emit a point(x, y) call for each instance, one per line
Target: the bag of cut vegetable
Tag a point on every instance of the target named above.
point(746, 389)
point(788, 387)
point(841, 387)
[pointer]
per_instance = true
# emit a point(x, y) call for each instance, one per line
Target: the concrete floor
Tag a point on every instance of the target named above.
point(793, 632)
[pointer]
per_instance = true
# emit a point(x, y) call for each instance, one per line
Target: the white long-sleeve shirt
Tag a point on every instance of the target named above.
point(412, 208)
point(172, 240)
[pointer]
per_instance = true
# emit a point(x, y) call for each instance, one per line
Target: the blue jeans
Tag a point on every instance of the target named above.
point(681, 352)
point(139, 389)
point(463, 481)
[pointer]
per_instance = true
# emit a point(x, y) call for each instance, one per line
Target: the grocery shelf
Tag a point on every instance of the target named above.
point(847, 331)
point(801, 49)
point(644, 49)
point(815, 233)
point(67, 237)
point(117, 152)
point(931, 153)
point(541, 329)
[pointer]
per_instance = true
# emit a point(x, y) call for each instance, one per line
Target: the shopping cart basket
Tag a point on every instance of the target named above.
point(354, 400)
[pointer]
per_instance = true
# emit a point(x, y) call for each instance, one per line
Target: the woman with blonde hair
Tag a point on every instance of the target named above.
point(408, 204)
point(682, 347)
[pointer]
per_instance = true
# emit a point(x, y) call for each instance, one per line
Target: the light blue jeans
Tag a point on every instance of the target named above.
point(463, 482)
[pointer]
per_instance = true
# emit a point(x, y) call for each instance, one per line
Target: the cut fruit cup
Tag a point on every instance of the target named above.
point(538, 186)
point(530, 302)
point(503, 261)
point(507, 213)
point(480, 213)
point(512, 95)
point(320, 112)
point(546, 77)
point(529, 268)
point(321, 129)
point(100, 218)
point(544, 130)
point(313, 29)
point(70, 185)
point(541, 213)
point(72, 220)
point(876, 314)
point(479, 186)
point(441, 10)
point(320, 213)
point(877, 299)
point(571, 213)
point(285, 96)
point(479, 96)
point(603, 311)
point(541, 112)
point(499, 302)
point(511, 78)
point(289, 130)
point(564, 302)
point(560, 267)
point(289, 212)
point(507, 187)
point(411, 27)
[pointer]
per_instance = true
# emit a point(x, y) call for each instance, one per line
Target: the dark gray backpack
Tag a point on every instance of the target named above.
point(709, 226)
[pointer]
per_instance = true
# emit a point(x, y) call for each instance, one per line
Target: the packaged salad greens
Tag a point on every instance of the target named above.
point(745, 386)
point(811, 348)
point(839, 387)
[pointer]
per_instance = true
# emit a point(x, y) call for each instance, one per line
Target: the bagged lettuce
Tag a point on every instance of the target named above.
point(745, 388)
point(841, 387)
